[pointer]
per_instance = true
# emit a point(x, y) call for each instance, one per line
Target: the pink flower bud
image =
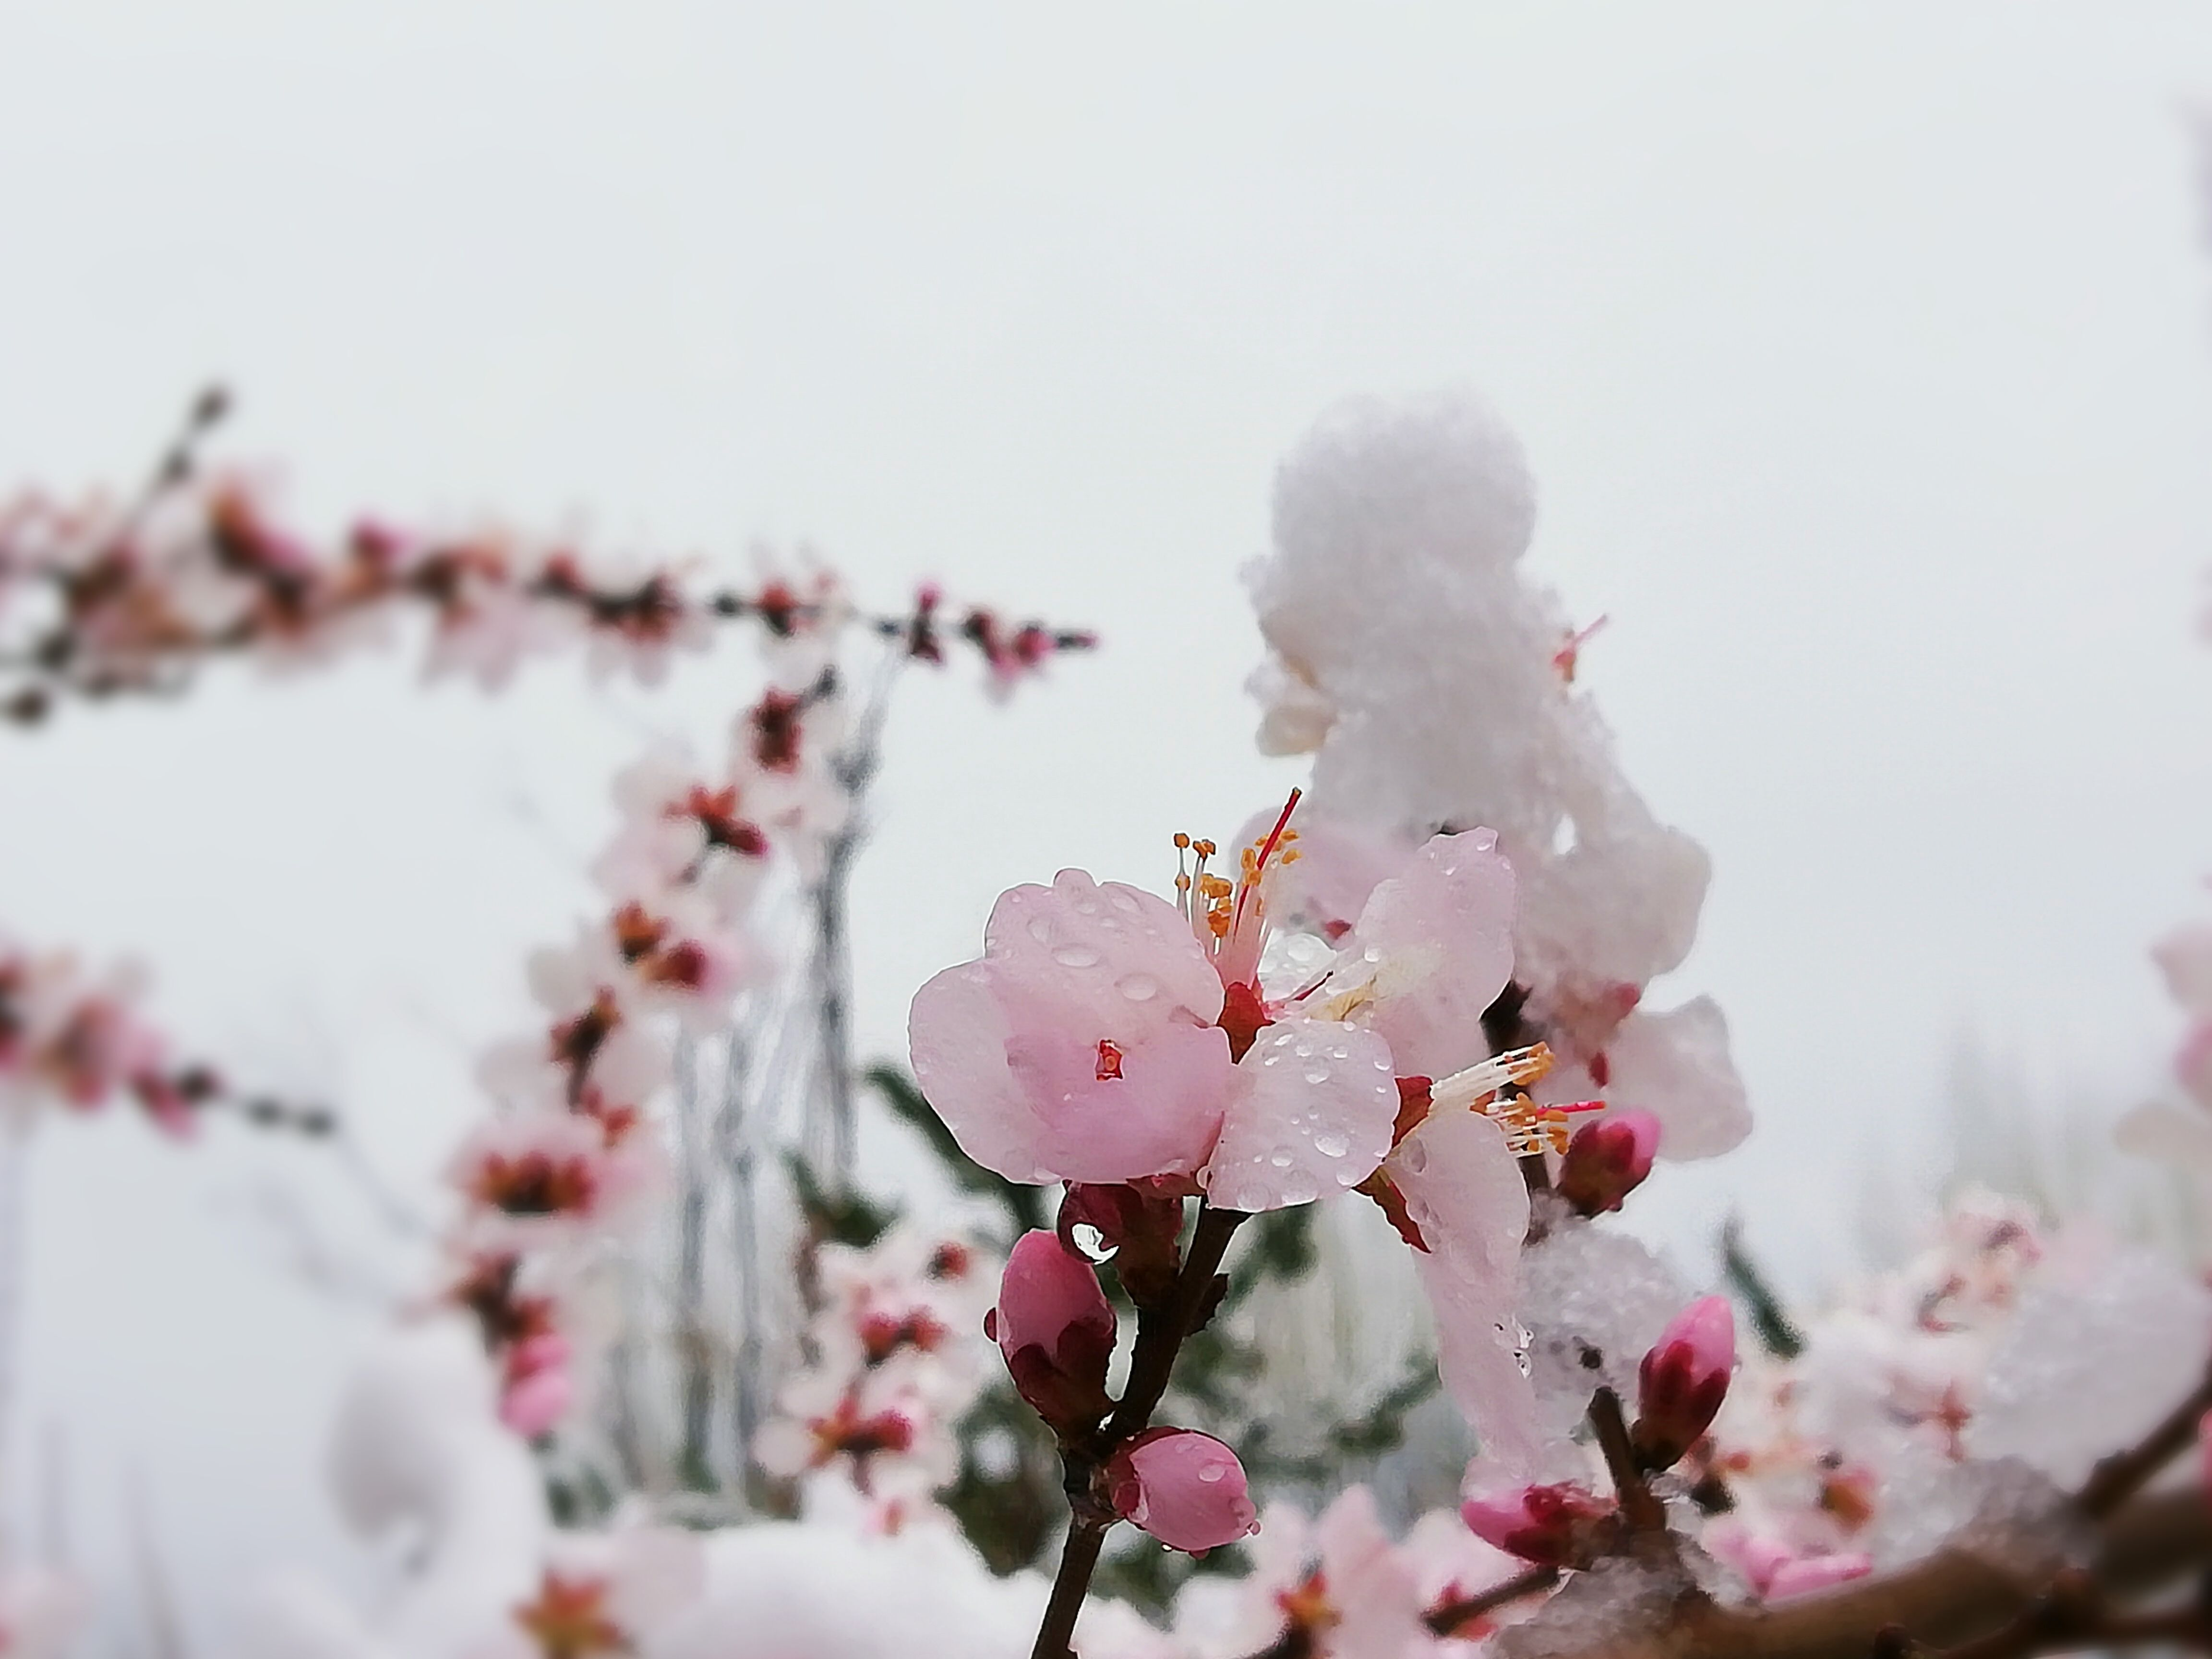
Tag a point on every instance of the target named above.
point(1816, 1572)
point(1683, 1380)
point(1137, 1224)
point(1056, 1330)
point(1560, 1526)
point(533, 1405)
point(1185, 1488)
point(1607, 1160)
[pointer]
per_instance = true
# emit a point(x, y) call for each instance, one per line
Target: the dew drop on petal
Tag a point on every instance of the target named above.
point(1076, 955)
point(1332, 1144)
point(1138, 987)
point(1281, 1160)
point(1040, 930)
point(1211, 1474)
point(1414, 1156)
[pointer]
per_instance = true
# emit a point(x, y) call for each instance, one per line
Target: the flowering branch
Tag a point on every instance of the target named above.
point(110, 599)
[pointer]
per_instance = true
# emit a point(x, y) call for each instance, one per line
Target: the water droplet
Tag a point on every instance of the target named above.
point(1040, 930)
point(1271, 1056)
point(1210, 1473)
point(1300, 1189)
point(1340, 1053)
point(1332, 1144)
point(1138, 987)
point(1281, 1160)
point(1316, 1072)
point(1413, 1155)
point(1076, 955)
point(1348, 1175)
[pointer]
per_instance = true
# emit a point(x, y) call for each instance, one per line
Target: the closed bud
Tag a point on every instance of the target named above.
point(1682, 1382)
point(1607, 1160)
point(1185, 1488)
point(1056, 1330)
point(1556, 1526)
point(1136, 1225)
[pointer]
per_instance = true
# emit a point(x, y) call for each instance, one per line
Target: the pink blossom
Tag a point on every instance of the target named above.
point(1462, 1195)
point(536, 1400)
point(1683, 1380)
point(1607, 1160)
point(1185, 1488)
point(1083, 1047)
point(1055, 1326)
point(1561, 1525)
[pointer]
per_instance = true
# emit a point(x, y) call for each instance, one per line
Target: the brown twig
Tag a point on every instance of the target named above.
point(1639, 1505)
point(2122, 1475)
point(1447, 1618)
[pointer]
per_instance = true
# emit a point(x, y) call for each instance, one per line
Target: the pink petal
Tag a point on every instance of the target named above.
point(1464, 1191)
point(532, 1406)
point(1310, 1115)
point(1185, 1488)
point(1024, 1098)
point(1110, 960)
point(1444, 929)
point(1816, 1572)
point(1676, 1066)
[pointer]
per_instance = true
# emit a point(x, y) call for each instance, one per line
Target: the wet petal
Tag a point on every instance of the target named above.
point(1463, 1189)
point(1310, 1116)
point(1441, 935)
point(1111, 959)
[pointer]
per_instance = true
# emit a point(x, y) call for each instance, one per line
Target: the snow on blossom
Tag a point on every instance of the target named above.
point(1108, 1036)
point(1435, 688)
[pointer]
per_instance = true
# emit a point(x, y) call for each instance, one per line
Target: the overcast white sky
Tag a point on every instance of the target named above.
point(1862, 352)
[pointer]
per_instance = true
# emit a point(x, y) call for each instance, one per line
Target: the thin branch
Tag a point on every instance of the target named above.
point(1452, 1616)
point(1639, 1505)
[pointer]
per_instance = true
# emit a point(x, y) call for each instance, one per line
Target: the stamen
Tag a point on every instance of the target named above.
point(1109, 1061)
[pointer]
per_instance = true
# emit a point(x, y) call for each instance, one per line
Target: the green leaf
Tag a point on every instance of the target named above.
point(1777, 1333)
point(847, 1217)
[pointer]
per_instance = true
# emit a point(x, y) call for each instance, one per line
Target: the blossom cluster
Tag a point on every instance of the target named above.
point(121, 593)
point(893, 1365)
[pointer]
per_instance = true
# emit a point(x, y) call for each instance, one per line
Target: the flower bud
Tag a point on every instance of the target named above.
point(1137, 1225)
point(1682, 1382)
point(1056, 1330)
point(1557, 1526)
point(537, 1389)
point(1185, 1488)
point(1607, 1160)
point(1809, 1573)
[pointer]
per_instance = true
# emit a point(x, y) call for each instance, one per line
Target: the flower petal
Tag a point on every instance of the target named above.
point(1310, 1116)
point(1676, 1066)
point(1114, 960)
point(1441, 933)
point(1464, 1191)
